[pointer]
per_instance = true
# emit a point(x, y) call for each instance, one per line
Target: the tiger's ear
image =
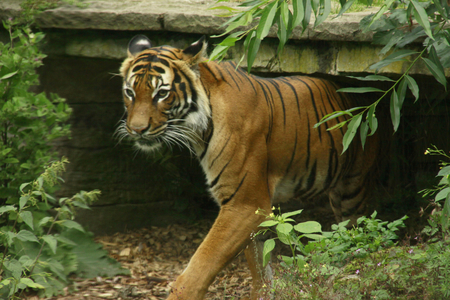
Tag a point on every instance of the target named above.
point(138, 44)
point(196, 51)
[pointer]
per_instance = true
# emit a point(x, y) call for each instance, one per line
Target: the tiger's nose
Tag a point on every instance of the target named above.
point(139, 129)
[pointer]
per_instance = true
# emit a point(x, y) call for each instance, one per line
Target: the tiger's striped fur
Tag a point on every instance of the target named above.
point(254, 138)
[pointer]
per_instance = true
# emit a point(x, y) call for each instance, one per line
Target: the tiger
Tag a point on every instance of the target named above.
point(254, 138)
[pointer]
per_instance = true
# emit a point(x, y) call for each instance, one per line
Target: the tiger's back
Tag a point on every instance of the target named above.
point(303, 162)
point(254, 138)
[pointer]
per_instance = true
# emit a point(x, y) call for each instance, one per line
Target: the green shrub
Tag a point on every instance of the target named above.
point(41, 244)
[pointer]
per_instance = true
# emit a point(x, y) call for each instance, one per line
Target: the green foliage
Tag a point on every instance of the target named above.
point(394, 26)
point(441, 213)
point(40, 252)
point(28, 122)
point(362, 262)
point(40, 242)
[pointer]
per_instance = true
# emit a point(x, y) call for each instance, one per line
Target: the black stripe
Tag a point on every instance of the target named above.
point(207, 138)
point(214, 182)
point(220, 153)
point(312, 177)
point(313, 101)
point(293, 154)
point(247, 77)
point(206, 67)
point(277, 88)
point(159, 69)
point(225, 201)
point(285, 80)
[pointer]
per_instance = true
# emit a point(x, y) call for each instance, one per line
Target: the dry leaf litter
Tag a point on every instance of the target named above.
point(155, 257)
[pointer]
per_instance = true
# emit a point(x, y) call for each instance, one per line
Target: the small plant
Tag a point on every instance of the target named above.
point(439, 220)
point(312, 268)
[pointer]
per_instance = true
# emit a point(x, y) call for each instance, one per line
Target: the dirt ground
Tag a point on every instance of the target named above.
point(155, 257)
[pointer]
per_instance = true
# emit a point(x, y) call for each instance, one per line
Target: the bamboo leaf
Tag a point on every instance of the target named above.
point(267, 20)
point(412, 84)
point(299, 13)
point(351, 131)
point(395, 110)
point(422, 18)
point(373, 121)
point(345, 7)
point(373, 78)
point(394, 57)
point(323, 11)
point(363, 130)
point(440, 77)
point(366, 89)
point(253, 47)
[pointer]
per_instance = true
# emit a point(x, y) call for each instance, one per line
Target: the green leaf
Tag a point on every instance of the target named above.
point(364, 129)
point(292, 213)
point(51, 241)
point(323, 11)
point(268, 223)
point(92, 259)
point(9, 75)
point(72, 224)
point(395, 110)
point(373, 78)
point(337, 114)
point(307, 13)
point(253, 47)
point(10, 160)
point(422, 18)
point(44, 221)
point(351, 131)
point(345, 7)
point(30, 283)
point(444, 171)
point(373, 122)
point(267, 20)
point(365, 89)
point(299, 13)
point(284, 228)
point(25, 235)
point(394, 57)
point(269, 245)
point(437, 73)
point(442, 194)
point(384, 8)
point(7, 208)
point(23, 201)
point(412, 86)
point(308, 227)
point(27, 218)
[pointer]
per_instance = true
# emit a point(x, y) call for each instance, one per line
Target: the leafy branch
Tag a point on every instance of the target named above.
point(394, 27)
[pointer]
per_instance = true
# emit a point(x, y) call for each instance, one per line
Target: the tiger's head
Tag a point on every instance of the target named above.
point(164, 98)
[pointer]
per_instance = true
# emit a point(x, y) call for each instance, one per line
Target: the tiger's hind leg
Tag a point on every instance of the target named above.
point(349, 199)
point(260, 275)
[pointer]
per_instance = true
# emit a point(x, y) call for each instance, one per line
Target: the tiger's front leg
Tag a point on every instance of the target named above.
point(228, 236)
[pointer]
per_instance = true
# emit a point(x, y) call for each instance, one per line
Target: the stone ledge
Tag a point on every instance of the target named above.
point(103, 28)
point(189, 16)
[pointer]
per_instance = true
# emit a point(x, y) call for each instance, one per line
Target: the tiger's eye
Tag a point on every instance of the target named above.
point(163, 93)
point(129, 92)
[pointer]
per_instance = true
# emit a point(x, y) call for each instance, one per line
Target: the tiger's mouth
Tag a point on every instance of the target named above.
point(147, 145)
